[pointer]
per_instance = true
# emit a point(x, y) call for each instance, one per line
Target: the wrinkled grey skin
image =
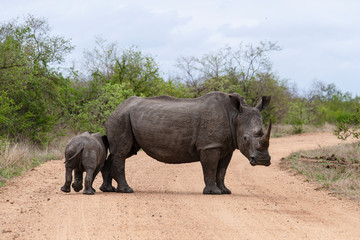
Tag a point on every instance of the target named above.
point(206, 129)
point(86, 152)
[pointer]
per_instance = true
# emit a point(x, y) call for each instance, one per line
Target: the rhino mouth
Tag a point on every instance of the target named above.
point(265, 163)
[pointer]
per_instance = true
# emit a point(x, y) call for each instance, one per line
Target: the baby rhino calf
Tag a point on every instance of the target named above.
point(86, 152)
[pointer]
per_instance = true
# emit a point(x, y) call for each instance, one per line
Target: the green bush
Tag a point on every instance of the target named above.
point(93, 114)
point(349, 126)
point(32, 94)
point(7, 113)
point(297, 116)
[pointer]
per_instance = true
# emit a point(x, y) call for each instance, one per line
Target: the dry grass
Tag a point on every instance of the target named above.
point(282, 130)
point(16, 158)
point(336, 169)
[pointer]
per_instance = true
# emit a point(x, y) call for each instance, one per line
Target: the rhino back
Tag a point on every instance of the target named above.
point(176, 130)
point(85, 144)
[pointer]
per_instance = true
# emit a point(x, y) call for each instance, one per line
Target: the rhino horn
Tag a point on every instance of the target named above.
point(265, 140)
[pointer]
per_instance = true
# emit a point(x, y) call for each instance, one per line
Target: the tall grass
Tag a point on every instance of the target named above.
point(282, 130)
point(17, 157)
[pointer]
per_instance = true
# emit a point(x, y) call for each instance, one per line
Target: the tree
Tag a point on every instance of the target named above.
point(101, 60)
point(28, 78)
point(8, 112)
point(106, 63)
point(139, 71)
point(94, 113)
point(250, 63)
point(191, 75)
point(329, 104)
point(232, 69)
point(269, 84)
point(245, 70)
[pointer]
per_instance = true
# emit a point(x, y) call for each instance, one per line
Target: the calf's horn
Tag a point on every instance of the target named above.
point(264, 142)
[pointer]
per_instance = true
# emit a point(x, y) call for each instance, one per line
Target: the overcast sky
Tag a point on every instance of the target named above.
point(320, 39)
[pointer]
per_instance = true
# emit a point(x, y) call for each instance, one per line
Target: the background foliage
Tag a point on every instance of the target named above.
point(32, 89)
point(37, 100)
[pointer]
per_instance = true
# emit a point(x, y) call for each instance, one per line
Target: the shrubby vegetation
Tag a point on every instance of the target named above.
point(38, 102)
point(349, 126)
point(93, 114)
point(334, 168)
point(33, 91)
point(322, 104)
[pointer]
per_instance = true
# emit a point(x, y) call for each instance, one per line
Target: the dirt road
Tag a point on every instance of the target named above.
point(266, 203)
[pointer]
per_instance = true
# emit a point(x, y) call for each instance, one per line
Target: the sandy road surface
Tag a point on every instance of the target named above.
point(266, 203)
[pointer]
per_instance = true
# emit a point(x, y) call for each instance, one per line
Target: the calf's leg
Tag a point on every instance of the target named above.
point(78, 180)
point(88, 181)
point(68, 179)
point(97, 170)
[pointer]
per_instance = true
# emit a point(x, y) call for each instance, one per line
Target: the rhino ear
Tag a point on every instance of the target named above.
point(264, 103)
point(235, 101)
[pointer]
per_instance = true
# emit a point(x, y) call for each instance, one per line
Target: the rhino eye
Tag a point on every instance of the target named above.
point(245, 138)
point(259, 133)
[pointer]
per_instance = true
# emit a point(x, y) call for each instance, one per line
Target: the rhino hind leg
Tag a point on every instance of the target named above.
point(220, 174)
point(118, 171)
point(88, 182)
point(122, 145)
point(97, 170)
point(77, 187)
point(106, 175)
point(209, 159)
point(68, 179)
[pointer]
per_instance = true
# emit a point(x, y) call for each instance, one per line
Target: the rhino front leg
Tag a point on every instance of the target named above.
point(68, 179)
point(220, 175)
point(209, 161)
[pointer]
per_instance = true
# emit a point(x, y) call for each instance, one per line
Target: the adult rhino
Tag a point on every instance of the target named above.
point(206, 129)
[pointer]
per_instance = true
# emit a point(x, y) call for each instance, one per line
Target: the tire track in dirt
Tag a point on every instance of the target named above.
point(266, 203)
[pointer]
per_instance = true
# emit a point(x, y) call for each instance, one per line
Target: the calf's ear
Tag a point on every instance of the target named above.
point(235, 101)
point(264, 103)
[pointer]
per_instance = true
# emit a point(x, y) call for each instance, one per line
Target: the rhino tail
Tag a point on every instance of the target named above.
point(80, 149)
